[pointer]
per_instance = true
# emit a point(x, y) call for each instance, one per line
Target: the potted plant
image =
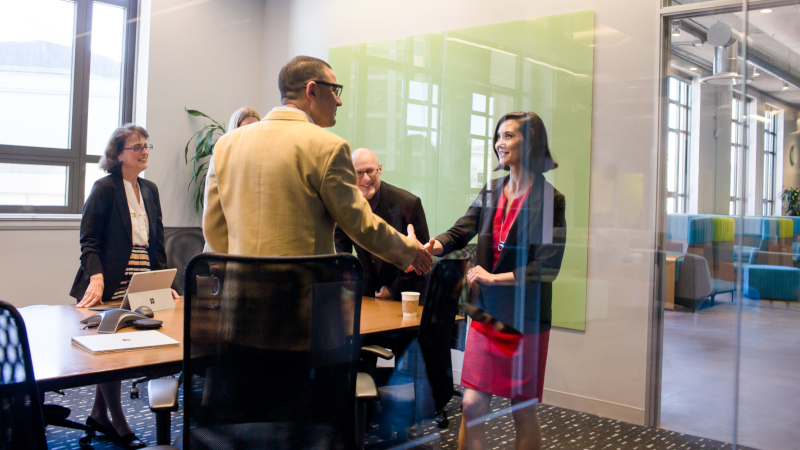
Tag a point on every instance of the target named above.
point(206, 138)
point(791, 201)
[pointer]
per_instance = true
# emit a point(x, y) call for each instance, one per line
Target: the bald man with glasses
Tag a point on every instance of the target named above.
point(399, 208)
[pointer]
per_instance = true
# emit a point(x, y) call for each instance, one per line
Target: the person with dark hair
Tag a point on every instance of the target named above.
point(278, 187)
point(121, 234)
point(520, 223)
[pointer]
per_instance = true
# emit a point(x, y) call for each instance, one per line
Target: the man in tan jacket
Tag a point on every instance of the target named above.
point(279, 186)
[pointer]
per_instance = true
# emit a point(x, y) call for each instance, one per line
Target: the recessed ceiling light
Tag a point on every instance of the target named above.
point(692, 68)
point(676, 28)
point(785, 86)
point(766, 11)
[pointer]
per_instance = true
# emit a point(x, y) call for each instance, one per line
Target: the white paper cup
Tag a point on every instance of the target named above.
point(410, 303)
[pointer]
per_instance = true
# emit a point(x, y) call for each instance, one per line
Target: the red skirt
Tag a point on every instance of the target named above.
point(505, 364)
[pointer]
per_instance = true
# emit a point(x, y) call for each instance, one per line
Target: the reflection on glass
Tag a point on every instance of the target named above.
point(479, 103)
point(36, 47)
point(418, 91)
point(417, 116)
point(105, 80)
point(477, 164)
point(33, 185)
point(477, 125)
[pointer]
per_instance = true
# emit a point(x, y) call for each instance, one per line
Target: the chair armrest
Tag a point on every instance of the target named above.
point(365, 387)
point(162, 394)
point(378, 350)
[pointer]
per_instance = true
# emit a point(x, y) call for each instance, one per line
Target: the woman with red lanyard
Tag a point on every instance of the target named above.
point(519, 221)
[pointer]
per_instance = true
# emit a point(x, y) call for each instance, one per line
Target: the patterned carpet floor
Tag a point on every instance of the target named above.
point(562, 428)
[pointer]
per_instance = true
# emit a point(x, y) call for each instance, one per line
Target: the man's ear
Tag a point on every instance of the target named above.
point(311, 90)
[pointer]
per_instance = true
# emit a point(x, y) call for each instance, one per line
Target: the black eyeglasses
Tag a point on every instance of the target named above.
point(337, 88)
point(139, 148)
point(369, 172)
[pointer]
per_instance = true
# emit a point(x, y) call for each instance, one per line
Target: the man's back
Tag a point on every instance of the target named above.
point(277, 187)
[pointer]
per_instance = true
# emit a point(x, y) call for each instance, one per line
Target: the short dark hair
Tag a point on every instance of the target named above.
point(297, 72)
point(110, 159)
point(535, 155)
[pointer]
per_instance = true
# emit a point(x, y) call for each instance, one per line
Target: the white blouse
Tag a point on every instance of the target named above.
point(140, 227)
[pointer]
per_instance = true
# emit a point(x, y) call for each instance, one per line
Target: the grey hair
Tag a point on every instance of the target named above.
point(239, 115)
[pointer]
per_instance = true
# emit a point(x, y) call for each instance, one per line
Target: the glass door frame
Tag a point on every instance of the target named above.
point(655, 338)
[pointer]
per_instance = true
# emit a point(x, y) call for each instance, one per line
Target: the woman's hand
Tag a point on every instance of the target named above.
point(479, 275)
point(175, 296)
point(94, 293)
point(434, 247)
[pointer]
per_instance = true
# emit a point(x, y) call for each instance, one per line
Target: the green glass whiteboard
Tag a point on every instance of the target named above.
point(427, 105)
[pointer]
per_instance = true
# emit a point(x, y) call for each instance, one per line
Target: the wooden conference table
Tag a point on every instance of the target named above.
point(60, 365)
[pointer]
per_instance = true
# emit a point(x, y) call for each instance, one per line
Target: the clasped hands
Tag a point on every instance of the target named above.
point(476, 275)
point(423, 260)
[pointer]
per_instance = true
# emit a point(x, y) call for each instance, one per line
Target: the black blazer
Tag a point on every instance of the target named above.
point(532, 260)
point(398, 208)
point(106, 235)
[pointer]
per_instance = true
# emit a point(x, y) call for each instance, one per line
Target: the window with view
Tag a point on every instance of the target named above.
point(770, 159)
point(740, 137)
point(678, 139)
point(66, 81)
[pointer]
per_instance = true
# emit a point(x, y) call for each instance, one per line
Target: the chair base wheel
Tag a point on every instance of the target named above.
point(86, 440)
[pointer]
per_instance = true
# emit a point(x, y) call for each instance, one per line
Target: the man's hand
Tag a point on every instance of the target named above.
point(175, 296)
point(422, 262)
point(479, 275)
point(384, 293)
point(94, 293)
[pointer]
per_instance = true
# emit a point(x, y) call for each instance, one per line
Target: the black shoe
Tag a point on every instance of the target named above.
point(95, 425)
point(128, 441)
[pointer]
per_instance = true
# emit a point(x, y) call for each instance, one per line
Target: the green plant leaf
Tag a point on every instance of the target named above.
point(204, 140)
point(196, 113)
point(186, 151)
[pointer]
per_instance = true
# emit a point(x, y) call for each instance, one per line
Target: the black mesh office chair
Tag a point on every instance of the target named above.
point(21, 423)
point(181, 244)
point(271, 352)
point(422, 383)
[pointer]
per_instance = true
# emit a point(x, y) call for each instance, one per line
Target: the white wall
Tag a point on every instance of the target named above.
point(41, 255)
point(205, 55)
point(601, 370)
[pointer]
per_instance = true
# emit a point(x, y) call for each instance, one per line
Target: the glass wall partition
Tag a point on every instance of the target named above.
point(732, 283)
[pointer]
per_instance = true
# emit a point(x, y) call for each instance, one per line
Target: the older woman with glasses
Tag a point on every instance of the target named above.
point(121, 234)
point(521, 228)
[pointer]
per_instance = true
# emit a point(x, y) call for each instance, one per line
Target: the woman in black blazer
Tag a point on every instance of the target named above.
point(121, 233)
point(521, 228)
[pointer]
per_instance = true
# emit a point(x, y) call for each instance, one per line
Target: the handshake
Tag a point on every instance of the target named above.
point(422, 262)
